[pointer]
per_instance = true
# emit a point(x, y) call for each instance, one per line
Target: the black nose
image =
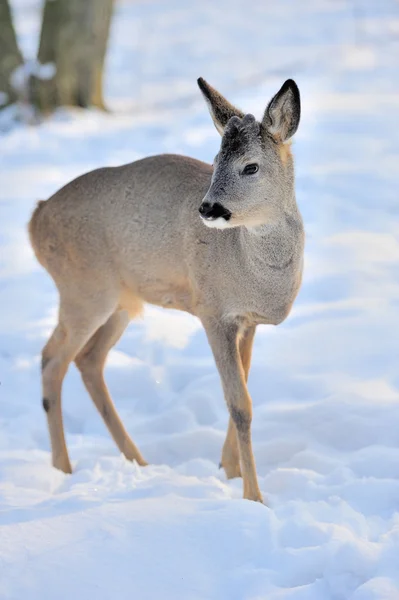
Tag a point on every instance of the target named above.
point(204, 208)
point(214, 211)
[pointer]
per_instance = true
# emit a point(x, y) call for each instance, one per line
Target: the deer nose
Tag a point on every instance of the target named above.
point(205, 208)
point(214, 211)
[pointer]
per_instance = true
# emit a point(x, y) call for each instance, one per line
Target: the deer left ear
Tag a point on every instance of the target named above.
point(281, 118)
point(221, 110)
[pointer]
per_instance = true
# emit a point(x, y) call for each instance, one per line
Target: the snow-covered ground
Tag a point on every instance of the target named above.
point(325, 384)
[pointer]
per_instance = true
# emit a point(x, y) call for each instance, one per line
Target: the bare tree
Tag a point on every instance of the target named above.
point(74, 40)
point(10, 55)
point(70, 61)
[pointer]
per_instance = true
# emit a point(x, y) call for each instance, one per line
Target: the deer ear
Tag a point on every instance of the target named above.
point(281, 118)
point(221, 110)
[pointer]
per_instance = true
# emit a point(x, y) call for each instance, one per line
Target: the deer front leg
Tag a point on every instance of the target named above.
point(223, 339)
point(230, 460)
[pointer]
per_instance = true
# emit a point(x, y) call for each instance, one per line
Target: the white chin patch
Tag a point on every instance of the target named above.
point(219, 223)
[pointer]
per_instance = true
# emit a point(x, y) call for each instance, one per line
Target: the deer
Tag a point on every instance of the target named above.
point(223, 242)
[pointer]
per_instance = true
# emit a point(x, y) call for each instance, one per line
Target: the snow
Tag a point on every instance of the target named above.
point(325, 383)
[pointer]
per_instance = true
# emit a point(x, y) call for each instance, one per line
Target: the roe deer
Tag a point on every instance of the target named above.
point(117, 237)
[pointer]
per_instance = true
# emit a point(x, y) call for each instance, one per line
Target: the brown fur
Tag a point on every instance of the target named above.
point(285, 152)
point(34, 225)
point(116, 238)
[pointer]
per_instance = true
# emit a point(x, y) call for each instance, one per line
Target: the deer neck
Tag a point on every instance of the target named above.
point(271, 244)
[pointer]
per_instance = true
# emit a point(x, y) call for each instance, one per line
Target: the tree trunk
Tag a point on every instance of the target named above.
point(10, 56)
point(74, 40)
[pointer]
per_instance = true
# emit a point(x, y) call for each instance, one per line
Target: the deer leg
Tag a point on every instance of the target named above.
point(230, 460)
point(72, 332)
point(53, 344)
point(90, 362)
point(52, 391)
point(223, 338)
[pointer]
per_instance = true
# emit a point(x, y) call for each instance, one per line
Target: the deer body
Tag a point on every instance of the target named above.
point(119, 237)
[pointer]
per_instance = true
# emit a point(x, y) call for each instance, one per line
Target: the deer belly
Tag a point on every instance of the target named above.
point(178, 297)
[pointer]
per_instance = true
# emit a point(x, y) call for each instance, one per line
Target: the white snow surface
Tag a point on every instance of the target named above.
point(325, 383)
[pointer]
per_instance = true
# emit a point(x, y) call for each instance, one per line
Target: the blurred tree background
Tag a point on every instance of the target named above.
point(10, 55)
point(70, 59)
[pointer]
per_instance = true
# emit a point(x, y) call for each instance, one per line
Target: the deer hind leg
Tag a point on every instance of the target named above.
point(230, 460)
point(224, 341)
point(90, 362)
point(52, 398)
point(77, 323)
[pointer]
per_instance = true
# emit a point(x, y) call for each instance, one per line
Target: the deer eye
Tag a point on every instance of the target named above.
point(251, 169)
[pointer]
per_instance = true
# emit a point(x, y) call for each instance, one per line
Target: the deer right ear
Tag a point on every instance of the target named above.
point(221, 110)
point(281, 118)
